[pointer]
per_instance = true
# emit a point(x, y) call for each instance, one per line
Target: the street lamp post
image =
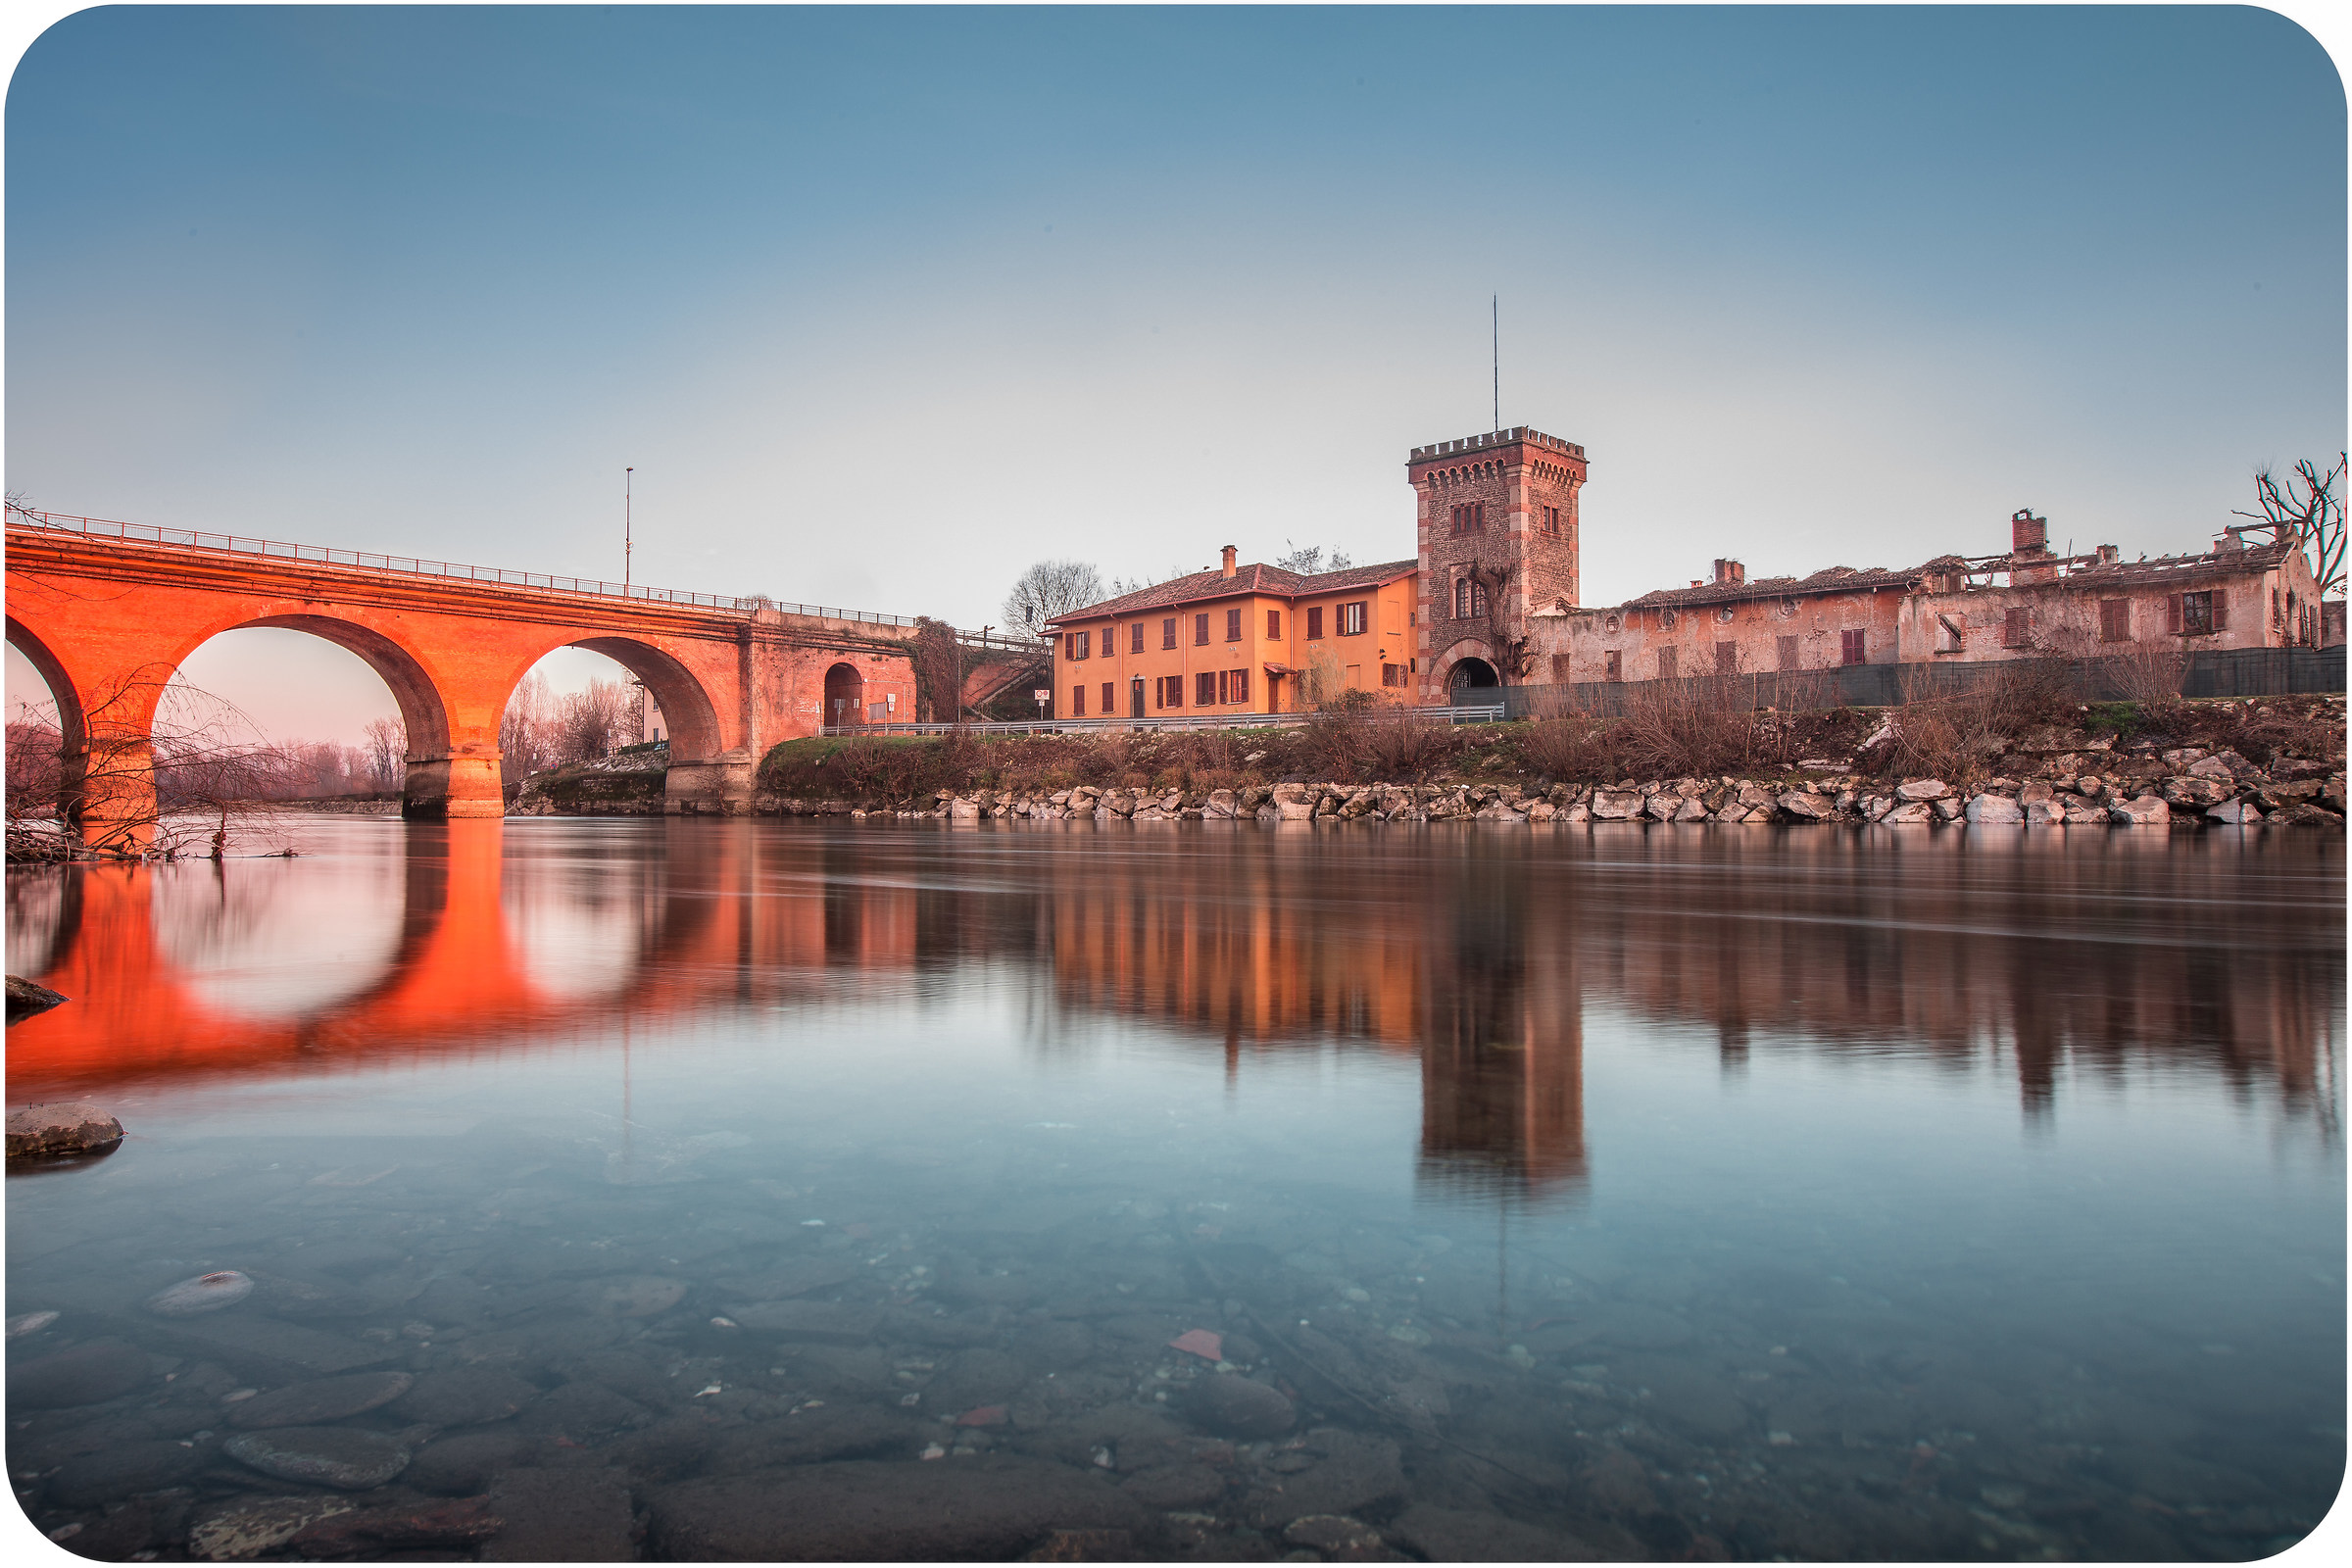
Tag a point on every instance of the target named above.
point(628, 525)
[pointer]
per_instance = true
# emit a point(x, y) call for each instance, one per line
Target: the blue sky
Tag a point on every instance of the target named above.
point(885, 304)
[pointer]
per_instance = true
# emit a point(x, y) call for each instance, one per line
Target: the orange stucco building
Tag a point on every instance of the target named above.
point(1239, 640)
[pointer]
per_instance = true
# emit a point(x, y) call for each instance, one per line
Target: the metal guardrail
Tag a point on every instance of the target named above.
point(1464, 715)
point(325, 554)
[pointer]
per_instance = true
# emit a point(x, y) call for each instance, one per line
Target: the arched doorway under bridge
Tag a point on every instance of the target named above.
point(844, 696)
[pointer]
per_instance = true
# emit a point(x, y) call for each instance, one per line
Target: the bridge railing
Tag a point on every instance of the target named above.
point(1463, 713)
point(330, 556)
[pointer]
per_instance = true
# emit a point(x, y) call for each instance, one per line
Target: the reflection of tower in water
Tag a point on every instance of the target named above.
point(1502, 1052)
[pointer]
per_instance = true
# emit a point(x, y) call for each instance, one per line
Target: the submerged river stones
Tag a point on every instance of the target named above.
point(87, 1374)
point(318, 1401)
point(348, 1458)
point(463, 1397)
point(638, 1296)
point(206, 1293)
point(1238, 1407)
point(251, 1527)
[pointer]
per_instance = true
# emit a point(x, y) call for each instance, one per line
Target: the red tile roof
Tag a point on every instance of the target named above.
point(1254, 578)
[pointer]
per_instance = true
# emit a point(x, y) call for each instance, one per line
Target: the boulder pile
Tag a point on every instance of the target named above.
point(2093, 786)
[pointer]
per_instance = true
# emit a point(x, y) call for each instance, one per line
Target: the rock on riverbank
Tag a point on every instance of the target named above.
point(60, 1127)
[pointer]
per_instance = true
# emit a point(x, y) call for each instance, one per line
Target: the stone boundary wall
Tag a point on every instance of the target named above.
point(2218, 672)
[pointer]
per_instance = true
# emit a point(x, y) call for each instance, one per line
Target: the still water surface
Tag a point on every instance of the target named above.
point(1674, 1194)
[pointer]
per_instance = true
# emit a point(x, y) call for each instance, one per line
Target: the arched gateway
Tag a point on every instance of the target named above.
point(108, 620)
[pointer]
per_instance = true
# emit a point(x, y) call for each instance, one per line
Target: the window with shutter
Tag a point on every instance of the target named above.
point(1787, 652)
point(1241, 686)
point(1135, 644)
point(1666, 664)
point(2172, 613)
point(1853, 647)
point(2221, 609)
point(1205, 689)
point(2014, 627)
point(1107, 698)
point(1167, 632)
point(1078, 702)
point(1727, 658)
point(1613, 666)
point(1314, 622)
point(2115, 621)
point(1273, 625)
point(1201, 631)
point(1110, 646)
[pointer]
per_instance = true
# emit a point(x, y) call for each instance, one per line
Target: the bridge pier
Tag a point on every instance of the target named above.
point(445, 788)
point(719, 787)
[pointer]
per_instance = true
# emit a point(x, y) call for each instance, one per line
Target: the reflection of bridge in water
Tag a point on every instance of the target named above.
point(2059, 964)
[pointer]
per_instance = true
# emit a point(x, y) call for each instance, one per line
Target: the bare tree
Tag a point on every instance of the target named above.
point(1142, 580)
point(589, 723)
point(1514, 657)
point(1051, 589)
point(386, 750)
point(2306, 510)
point(527, 732)
point(1307, 560)
point(133, 792)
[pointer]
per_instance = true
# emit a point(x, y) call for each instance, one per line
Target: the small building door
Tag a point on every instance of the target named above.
point(1135, 698)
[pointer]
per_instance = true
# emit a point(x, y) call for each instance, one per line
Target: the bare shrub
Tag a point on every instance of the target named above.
point(1692, 727)
point(1957, 738)
point(2149, 676)
point(1401, 745)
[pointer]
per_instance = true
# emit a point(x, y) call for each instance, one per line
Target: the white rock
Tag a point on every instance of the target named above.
point(2239, 813)
point(206, 1293)
point(1994, 809)
point(2044, 813)
point(1904, 815)
point(2145, 811)
point(1922, 789)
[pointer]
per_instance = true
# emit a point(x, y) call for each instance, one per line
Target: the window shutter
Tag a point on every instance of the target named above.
point(2221, 609)
point(2172, 613)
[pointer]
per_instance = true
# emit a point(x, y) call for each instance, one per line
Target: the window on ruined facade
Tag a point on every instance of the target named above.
point(1787, 652)
point(1559, 668)
point(1135, 644)
point(1470, 517)
point(1612, 623)
point(1853, 648)
point(1199, 630)
point(1352, 619)
point(1723, 612)
point(1612, 665)
point(1665, 620)
point(1078, 702)
point(1949, 636)
point(2115, 621)
point(1727, 658)
point(1469, 598)
point(2197, 617)
point(1314, 622)
point(1273, 625)
point(1551, 520)
point(2016, 627)
point(1167, 632)
point(1666, 664)
point(1205, 689)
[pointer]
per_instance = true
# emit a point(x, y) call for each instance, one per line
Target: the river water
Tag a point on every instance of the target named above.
point(1672, 1192)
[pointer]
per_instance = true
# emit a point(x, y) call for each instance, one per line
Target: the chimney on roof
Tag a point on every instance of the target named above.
point(1231, 570)
point(2109, 555)
point(1729, 571)
point(2029, 535)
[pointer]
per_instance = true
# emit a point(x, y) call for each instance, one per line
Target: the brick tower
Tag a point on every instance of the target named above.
point(1495, 524)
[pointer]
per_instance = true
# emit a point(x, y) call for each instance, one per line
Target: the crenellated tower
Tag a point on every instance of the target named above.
point(1495, 524)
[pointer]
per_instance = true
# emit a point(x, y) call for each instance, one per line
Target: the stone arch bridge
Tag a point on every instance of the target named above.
point(107, 611)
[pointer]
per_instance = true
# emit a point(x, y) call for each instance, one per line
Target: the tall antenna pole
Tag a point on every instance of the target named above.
point(1494, 304)
point(628, 525)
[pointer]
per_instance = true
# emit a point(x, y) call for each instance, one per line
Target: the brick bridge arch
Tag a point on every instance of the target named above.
point(107, 621)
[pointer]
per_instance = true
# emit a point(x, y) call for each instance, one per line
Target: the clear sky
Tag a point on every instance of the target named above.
point(885, 304)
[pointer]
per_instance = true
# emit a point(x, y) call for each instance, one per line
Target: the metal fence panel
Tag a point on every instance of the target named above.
point(2213, 672)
